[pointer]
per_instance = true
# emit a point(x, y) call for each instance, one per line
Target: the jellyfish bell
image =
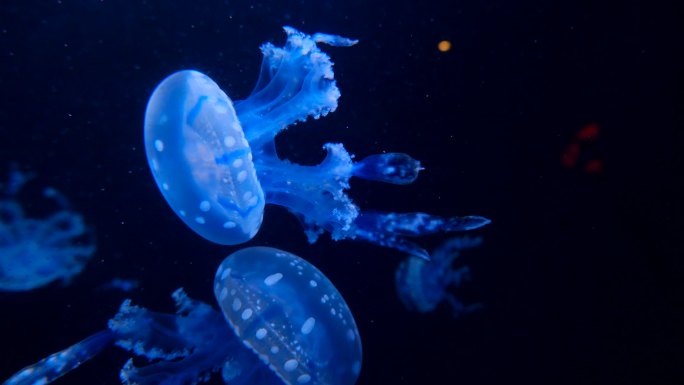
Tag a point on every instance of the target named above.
point(289, 314)
point(200, 159)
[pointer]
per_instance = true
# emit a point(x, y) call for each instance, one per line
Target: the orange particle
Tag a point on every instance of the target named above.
point(444, 45)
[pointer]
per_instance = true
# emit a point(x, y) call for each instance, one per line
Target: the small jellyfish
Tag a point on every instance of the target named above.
point(289, 314)
point(422, 285)
point(37, 251)
point(215, 160)
point(122, 284)
point(288, 325)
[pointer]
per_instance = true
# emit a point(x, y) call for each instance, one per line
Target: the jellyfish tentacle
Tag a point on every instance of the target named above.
point(58, 364)
point(395, 168)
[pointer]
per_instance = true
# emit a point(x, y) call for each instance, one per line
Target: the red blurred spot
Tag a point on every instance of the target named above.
point(588, 132)
point(593, 166)
point(581, 152)
point(569, 157)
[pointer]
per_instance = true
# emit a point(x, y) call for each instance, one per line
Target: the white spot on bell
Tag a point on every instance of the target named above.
point(204, 206)
point(237, 304)
point(308, 325)
point(351, 336)
point(273, 279)
point(304, 379)
point(159, 145)
point(246, 314)
point(241, 176)
point(261, 333)
point(290, 365)
point(229, 141)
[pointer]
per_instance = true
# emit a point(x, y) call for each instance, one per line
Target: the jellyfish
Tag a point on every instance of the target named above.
point(37, 251)
point(422, 285)
point(287, 324)
point(215, 160)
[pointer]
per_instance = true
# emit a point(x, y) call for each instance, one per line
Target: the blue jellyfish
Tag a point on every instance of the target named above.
point(289, 325)
point(215, 160)
point(422, 285)
point(37, 251)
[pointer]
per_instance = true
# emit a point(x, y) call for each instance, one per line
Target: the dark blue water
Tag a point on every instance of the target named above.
point(580, 271)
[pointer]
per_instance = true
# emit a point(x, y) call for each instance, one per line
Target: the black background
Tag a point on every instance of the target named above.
point(580, 273)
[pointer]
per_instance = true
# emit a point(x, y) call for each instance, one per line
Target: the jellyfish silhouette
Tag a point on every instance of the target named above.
point(215, 160)
point(288, 324)
point(422, 285)
point(37, 251)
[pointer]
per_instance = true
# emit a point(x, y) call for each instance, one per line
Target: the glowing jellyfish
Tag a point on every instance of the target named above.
point(290, 315)
point(37, 251)
point(215, 160)
point(289, 325)
point(422, 285)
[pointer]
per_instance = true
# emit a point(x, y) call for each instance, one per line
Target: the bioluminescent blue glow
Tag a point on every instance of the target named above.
point(215, 160)
point(422, 285)
point(288, 324)
point(37, 251)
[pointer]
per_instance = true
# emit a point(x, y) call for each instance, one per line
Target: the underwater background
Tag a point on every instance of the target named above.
point(559, 121)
